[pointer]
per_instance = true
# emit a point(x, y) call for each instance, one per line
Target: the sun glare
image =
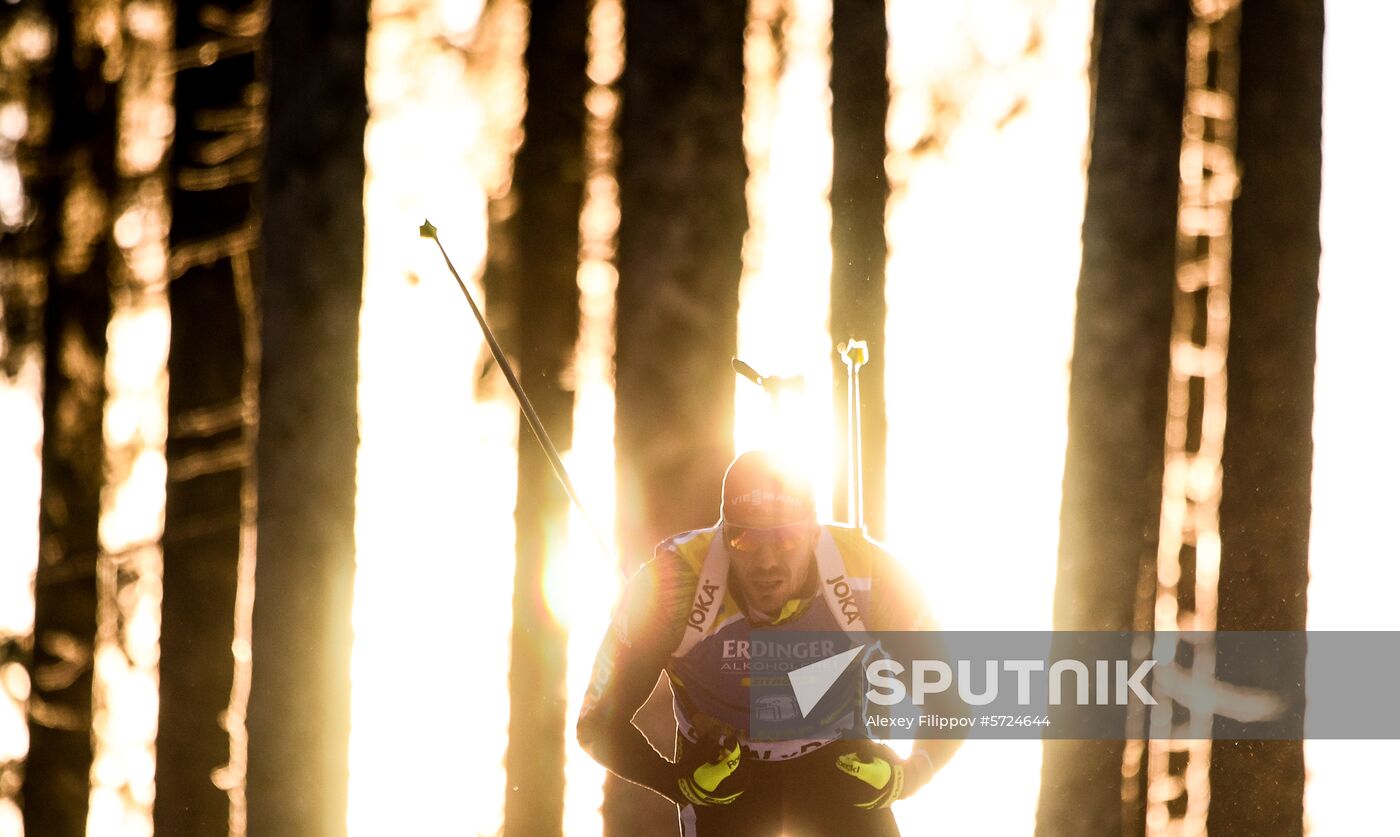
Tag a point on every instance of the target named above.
point(988, 130)
point(785, 291)
point(126, 695)
point(434, 535)
point(21, 416)
point(583, 582)
point(1354, 574)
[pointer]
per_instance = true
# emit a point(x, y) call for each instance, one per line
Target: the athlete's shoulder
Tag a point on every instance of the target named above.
point(657, 596)
point(897, 599)
point(864, 557)
point(690, 547)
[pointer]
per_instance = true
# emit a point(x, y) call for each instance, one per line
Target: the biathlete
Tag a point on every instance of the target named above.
point(767, 565)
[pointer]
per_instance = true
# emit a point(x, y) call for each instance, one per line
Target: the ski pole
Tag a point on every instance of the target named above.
point(771, 384)
point(855, 354)
point(427, 230)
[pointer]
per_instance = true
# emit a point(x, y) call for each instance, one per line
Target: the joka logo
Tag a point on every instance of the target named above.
point(704, 600)
point(814, 680)
point(842, 590)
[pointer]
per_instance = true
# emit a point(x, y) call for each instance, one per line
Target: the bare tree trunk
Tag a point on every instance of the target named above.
point(860, 99)
point(76, 223)
point(681, 180)
point(313, 265)
point(1112, 497)
point(549, 171)
point(215, 159)
point(1266, 508)
point(501, 271)
point(681, 177)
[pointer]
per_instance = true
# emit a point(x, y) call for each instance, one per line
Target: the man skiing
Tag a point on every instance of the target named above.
point(766, 565)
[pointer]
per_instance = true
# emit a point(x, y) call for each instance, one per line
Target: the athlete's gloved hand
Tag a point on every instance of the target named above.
point(717, 778)
point(713, 770)
point(882, 775)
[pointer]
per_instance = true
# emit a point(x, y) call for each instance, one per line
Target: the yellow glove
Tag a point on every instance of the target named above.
point(884, 776)
point(714, 782)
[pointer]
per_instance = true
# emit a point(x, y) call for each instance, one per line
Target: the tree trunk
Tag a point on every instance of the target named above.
point(1265, 513)
point(681, 180)
point(1110, 513)
point(213, 413)
point(75, 220)
point(313, 265)
point(681, 177)
point(860, 99)
point(548, 181)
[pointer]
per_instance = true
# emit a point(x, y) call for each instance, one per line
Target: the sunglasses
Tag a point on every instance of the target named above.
point(782, 538)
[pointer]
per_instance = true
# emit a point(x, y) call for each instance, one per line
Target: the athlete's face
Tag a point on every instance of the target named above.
point(770, 565)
